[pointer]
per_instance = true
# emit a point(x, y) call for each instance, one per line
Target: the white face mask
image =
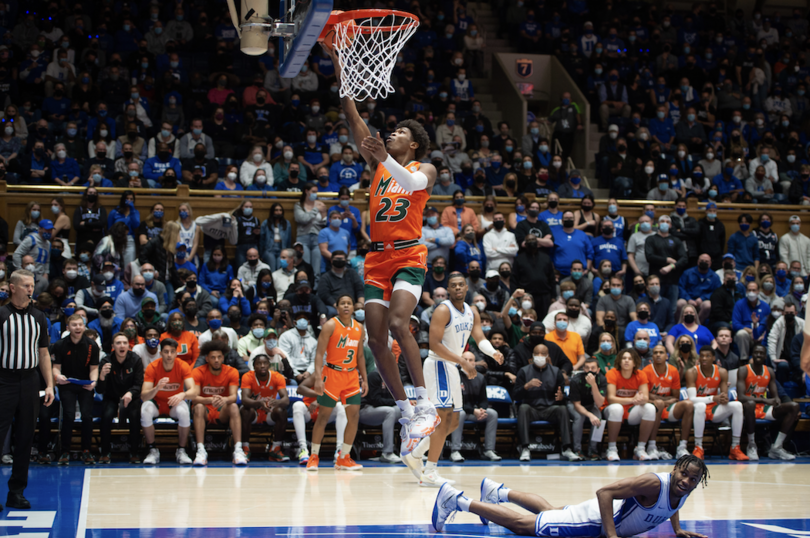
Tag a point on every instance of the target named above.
point(526, 305)
point(556, 164)
point(649, 169)
point(681, 154)
point(257, 158)
point(9, 130)
point(462, 76)
point(315, 109)
point(752, 296)
point(709, 156)
point(232, 176)
point(108, 275)
point(104, 133)
point(540, 361)
point(71, 274)
point(481, 305)
point(30, 267)
point(61, 154)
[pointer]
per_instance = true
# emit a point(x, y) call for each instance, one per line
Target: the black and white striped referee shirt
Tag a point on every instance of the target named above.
point(22, 333)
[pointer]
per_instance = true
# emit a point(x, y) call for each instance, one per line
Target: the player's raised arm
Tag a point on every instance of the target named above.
point(356, 124)
point(646, 487)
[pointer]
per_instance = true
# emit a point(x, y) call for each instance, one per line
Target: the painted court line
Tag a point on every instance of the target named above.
point(81, 529)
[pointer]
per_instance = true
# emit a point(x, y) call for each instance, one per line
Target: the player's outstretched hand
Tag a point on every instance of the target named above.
point(683, 533)
point(498, 356)
point(376, 147)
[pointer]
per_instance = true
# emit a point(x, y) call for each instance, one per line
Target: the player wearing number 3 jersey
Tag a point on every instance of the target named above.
point(396, 264)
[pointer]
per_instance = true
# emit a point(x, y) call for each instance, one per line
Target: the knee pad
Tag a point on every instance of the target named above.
point(299, 409)
point(182, 415)
point(149, 413)
point(649, 412)
point(700, 407)
point(614, 413)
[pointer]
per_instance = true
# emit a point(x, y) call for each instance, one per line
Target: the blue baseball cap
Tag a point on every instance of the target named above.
point(46, 224)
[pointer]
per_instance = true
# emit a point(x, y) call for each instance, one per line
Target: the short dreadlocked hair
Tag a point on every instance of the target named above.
point(685, 461)
point(418, 134)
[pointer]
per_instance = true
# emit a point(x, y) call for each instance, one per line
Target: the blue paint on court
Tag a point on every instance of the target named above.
point(56, 492)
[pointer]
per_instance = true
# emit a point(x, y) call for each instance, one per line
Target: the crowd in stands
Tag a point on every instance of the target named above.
point(137, 94)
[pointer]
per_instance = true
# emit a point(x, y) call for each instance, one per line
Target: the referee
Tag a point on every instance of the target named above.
point(23, 348)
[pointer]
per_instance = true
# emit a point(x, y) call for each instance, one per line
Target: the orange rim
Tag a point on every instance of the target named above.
point(343, 17)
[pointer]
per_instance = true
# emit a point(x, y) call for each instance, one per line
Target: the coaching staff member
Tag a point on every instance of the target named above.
point(23, 348)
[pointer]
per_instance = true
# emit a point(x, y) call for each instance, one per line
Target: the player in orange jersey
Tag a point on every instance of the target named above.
point(167, 382)
point(665, 394)
point(628, 397)
point(396, 264)
point(214, 400)
point(264, 401)
point(707, 386)
point(341, 340)
point(755, 382)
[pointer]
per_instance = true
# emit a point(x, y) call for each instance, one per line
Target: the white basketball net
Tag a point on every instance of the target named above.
point(370, 53)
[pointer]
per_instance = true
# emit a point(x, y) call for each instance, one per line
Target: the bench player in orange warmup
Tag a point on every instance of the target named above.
point(753, 381)
point(396, 264)
point(665, 392)
point(261, 406)
point(341, 340)
point(707, 386)
point(214, 400)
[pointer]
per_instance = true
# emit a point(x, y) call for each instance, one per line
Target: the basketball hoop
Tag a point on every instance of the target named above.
point(367, 42)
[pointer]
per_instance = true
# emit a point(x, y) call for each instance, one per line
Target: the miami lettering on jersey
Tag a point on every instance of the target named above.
point(707, 386)
point(170, 387)
point(345, 341)
point(213, 391)
point(626, 393)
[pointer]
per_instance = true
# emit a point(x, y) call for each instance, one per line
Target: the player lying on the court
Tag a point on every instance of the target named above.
point(452, 324)
point(753, 380)
point(213, 400)
point(341, 340)
point(665, 391)
point(307, 410)
point(396, 264)
point(707, 386)
point(260, 405)
point(625, 508)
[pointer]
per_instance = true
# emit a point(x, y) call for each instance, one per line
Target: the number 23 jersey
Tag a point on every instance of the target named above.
point(395, 214)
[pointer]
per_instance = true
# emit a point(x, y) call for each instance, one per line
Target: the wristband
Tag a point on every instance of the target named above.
point(486, 347)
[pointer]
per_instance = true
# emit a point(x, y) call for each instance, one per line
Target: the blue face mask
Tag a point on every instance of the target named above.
point(527, 165)
point(313, 196)
point(302, 324)
point(615, 291)
point(642, 345)
point(744, 226)
point(266, 285)
point(663, 186)
point(680, 211)
point(69, 311)
point(214, 324)
point(512, 311)
point(764, 158)
point(84, 257)
point(335, 223)
point(664, 227)
point(102, 113)
point(443, 95)
point(562, 325)
point(360, 315)
point(247, 211)
point(612, 208)
point(181, 255)
point(746, 106)
point(184, 215)
point(258, 332)
point(598, 71)
point(432, 220)
point(158, 214)
point(606, 347)
point(197, 132)
point(566, 102)
point(728, 171)
point(794, 228)
point(781, 274)
point(645, 227)
point(576, 180)
point(47, 236)
point(72, 132)
point(567, 294)
point(158, 30)
point(660, 115)
point(152, 343)
point(576, 275)
point(495, 164)
point(690, 117)
point(650, 214)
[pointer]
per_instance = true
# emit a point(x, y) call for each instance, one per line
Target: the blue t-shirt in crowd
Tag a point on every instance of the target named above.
point(335, 240)
point(701, 337)
point(569, 247)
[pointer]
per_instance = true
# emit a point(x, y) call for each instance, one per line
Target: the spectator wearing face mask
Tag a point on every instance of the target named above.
point(38, 245)
point(435, 236)
point(128, 304)
point(445, 186)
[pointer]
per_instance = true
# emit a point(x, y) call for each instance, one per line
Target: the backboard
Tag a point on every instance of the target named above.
point(297, 27)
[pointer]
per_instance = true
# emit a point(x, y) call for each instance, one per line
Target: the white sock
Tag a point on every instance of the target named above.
point(406, 408)
point(503, 494)
point(316, 449)
point(682, 443)
point(779, 440)
point(464, 503)
point(421, 394)
point(237, 446)
point(735, 442)
point(699, 441)
point(651, 445)
point(345, 450)
point(752, 438)
point(276, 444)
point(640, 444)
point(430, 466)
point(611, 446)
point(302, 444)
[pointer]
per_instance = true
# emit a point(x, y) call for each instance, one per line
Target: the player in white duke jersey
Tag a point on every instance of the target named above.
point(625, 508)
point(452, 324)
